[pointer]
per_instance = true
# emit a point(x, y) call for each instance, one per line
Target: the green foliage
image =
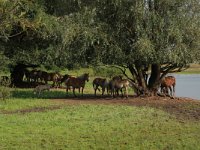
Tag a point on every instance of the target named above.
point(26, 30)
point(78, 33)
point(5, 93)
point(4, 62)
point(106, 71)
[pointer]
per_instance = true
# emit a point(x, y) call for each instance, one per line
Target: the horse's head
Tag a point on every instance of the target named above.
point(119, 77)
point(86, 76)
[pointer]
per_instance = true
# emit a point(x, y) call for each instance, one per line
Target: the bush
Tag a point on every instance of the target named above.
point(106, 71)
point(5, 93)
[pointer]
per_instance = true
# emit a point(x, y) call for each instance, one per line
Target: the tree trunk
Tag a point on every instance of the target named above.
point(154, 80)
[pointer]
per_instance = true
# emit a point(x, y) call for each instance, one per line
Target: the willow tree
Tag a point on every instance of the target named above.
point(150, 38)
point(26, 31)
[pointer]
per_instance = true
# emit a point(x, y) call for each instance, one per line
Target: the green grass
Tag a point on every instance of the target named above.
point(193, 69)
point(97, 127)
point(90, 126)
point(15, 104)
point(26, 99)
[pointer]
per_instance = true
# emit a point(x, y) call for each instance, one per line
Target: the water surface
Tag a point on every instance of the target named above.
point(188, 85)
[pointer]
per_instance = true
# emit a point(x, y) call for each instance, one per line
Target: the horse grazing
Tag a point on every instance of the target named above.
point(38, 89)
point(77, 82)
point(102, 82)
point(117, 85)
point(168, 82)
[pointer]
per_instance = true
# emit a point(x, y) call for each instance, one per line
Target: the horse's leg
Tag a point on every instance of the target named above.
point(82, 90)
point(126, 90)
point(74, 91)
point(170, 93)
point(117, 92)
point(161, 89)
point(103, 90)
point(173, 89)
point(165, 91)
point(121, 90)
point(107, 88)
point(95, 90)
point(67, 89)
point(112, 92)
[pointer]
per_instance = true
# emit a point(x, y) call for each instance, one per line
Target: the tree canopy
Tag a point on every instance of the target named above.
point(150, 38)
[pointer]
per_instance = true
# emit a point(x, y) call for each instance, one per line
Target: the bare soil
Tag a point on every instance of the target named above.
point(182, 108)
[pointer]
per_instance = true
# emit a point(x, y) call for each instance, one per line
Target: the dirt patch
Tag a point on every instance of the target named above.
point(35, 109)
point(182, 108)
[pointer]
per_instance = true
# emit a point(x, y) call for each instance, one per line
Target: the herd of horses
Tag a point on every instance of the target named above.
point(112, 87)
point(43, 76)
point(117, 83)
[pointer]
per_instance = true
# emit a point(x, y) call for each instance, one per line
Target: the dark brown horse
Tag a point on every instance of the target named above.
point(77, 82)
point(102, 82)
point(168, 83)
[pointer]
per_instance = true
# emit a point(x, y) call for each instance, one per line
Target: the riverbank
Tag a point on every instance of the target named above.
point(193, 69)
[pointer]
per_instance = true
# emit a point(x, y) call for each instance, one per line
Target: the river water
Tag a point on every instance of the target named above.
point(188, 85)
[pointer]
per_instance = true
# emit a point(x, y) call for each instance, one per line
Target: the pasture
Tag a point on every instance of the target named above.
point(57, 121)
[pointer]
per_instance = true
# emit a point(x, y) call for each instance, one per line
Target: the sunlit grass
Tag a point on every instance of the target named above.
point(89, 126)
point(97, 127)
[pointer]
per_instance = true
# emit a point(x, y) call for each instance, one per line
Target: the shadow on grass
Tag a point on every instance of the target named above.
point(27, 94)
point(56, 94)
point(60, 94)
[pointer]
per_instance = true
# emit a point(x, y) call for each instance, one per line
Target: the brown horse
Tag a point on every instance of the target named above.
point(168, 82)
point(102, 82)
point(77, 82)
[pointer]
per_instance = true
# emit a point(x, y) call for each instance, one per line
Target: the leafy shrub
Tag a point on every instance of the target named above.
point(106, 71)
point(5, 93)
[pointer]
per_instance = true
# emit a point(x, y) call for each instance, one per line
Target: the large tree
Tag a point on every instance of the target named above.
point(27, 32)
point(150, 38)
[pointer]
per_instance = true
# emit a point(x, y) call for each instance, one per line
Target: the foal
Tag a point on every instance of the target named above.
point(38, 89)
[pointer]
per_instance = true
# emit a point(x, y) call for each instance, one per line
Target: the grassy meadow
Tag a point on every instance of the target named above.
point(31, 123)
point(90, 126)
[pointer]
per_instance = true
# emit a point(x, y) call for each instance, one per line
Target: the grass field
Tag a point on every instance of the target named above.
point(97, 127)
point(56, 121)
point(27, 122)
